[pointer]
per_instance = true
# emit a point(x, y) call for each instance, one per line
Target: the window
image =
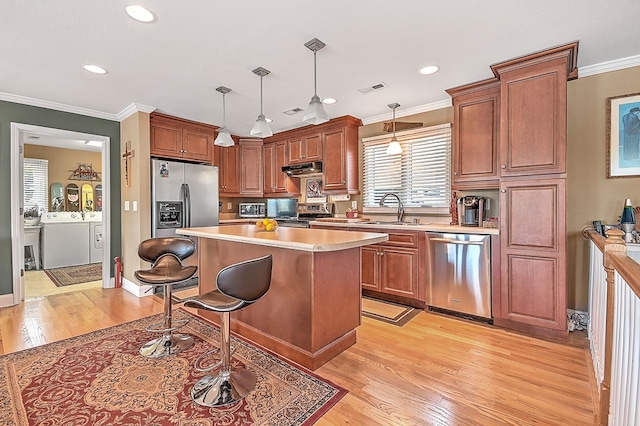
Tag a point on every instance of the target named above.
point(36, 184)
point(420, 176)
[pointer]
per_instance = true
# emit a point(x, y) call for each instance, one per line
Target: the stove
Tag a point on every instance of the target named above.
point(305, 213)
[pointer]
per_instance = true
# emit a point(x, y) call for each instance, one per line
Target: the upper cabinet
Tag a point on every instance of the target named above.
point(276, 182)
point(181, 139)
point(305, 147)
point(476, 128)
point(340, 157)
point(251, 167)
point(228, 161)
point(533, 111)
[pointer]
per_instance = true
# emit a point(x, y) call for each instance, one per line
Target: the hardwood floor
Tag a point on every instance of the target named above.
point(434, 370)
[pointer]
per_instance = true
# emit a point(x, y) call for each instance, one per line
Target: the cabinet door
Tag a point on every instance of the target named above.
point(166, 140)
point(251, 168)
point(533, 113)
point(399, 271)
point(269, 168)
point(533, 252)
point(475, 137)
point(197, 144)
point(296, 154)
point(282, 181)
point(369, 267)
point(312, 145)
point(334, 174)
point(229, 182)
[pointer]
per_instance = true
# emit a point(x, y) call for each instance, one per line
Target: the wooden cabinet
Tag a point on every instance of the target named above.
point(533, 131)
point(533, 111)
point(533, 246)
point(392, 268)
point(476, 127)
point(276, 182)
point(228, 161)
point(181, 139)
point(340, 157)
point(251, 167)
point(305, 147)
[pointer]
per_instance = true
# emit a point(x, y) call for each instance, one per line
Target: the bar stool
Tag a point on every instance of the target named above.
point(166, 255)
point(239, 285)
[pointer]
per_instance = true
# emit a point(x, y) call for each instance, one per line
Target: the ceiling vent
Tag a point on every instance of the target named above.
point(293, 111)
point(376, 86)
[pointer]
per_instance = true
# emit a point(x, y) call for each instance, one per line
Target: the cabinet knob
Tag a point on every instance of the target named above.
point(503, 191)
point(503, 166)
point(455, 173)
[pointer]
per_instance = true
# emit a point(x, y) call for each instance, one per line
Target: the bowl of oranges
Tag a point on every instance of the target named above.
point(267, 224)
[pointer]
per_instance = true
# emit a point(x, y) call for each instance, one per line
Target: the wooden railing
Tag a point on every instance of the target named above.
point(614, 328)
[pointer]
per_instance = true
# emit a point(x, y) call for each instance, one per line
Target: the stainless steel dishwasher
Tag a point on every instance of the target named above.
point(458, 270)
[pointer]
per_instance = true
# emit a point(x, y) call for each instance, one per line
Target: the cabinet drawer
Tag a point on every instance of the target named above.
point(396, 238)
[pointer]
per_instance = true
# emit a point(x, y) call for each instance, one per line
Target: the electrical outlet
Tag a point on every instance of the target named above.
point(354, 204)
point(135, 206)
point(229, 206)
point(126, 205)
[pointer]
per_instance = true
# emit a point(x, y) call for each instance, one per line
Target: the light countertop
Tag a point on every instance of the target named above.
point(427, 227)
point(303, 239)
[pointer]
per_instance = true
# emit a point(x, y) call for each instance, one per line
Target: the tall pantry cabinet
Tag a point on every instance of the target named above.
point(532, 163)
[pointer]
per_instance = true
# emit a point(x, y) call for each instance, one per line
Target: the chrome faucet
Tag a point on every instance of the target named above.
point(400, 205)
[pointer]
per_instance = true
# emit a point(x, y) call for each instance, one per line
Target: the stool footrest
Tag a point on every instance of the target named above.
point(160, 328)
point(197, 364)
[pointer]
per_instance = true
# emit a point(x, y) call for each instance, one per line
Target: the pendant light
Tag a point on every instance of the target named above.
point(261, 128)
point(224, 137)
point(394, 146)
point(315, 111)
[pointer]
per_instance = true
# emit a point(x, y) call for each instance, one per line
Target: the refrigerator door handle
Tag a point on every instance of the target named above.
point(187, 205)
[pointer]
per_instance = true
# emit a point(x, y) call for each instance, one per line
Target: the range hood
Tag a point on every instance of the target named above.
point(313, 168)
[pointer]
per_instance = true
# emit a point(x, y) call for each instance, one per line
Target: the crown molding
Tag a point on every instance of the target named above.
point(134, 108)
point(616, 64)
point(409, 111)
point(56, 106)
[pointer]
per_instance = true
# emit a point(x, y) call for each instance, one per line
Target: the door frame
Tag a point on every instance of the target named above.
point(18, 131)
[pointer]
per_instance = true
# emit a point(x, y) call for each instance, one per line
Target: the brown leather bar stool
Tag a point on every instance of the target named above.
point(166, 255)
point(239, 285)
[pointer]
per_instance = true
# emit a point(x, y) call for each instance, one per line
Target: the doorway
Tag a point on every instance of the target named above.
point(55, 139)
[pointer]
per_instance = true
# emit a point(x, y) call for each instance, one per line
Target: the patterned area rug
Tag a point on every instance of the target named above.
point(389, 312)
point(75, 274)
point(100, 379)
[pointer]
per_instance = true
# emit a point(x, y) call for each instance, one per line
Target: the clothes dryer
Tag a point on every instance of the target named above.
point(65, 240)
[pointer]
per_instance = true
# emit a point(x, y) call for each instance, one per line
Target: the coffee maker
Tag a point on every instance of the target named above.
point(471, 210)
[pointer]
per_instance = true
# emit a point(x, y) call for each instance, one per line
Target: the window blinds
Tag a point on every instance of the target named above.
point(420, 176)
point(36, 183)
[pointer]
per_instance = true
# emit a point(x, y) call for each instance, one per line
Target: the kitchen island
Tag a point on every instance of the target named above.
point(310, 313)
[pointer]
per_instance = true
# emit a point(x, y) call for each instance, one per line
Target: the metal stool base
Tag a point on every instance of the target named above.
point(228, 387)
point(166, 345)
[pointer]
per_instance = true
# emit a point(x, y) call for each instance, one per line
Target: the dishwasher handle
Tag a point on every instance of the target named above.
point(459, 242)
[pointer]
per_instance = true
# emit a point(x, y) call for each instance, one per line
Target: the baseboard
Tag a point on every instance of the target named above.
point(6, 300)
point(136, 289)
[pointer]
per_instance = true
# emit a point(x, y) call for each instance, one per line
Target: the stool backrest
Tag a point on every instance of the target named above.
point(248, 280)
point(150, 250)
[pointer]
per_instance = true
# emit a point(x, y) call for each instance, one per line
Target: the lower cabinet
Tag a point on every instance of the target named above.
point(390, 270)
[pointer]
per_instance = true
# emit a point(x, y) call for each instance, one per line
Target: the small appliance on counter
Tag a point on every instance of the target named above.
point(471, 210)
point(290, 213)
point(252, 210)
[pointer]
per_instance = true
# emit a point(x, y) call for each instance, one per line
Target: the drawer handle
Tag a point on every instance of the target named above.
point(460, 242)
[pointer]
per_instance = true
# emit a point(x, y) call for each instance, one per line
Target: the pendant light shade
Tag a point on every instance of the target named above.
point(261, 128)
point(315, 113)
point(394, 146)
point(224, 137)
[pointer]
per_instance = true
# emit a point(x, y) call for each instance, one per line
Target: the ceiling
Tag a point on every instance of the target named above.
point(175, 63)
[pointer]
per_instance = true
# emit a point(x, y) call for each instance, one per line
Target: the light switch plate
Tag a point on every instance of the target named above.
point(135, 206)
point(354, 204)
point(126, 205)
point(229, 206)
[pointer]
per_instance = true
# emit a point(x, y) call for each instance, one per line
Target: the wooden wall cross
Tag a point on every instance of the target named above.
point(126, 156)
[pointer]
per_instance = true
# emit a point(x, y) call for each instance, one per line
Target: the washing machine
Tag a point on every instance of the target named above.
point(95, 236)
point(65, 239)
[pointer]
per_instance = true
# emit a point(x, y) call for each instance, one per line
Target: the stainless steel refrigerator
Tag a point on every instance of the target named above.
point(182, 195)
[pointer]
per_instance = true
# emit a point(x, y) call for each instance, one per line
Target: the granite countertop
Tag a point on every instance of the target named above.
point(427, 227)
point(314, 240)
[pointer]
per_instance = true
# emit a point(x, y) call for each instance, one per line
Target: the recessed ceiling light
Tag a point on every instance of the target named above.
point(140, 13)
point(430, 69)
point(329, 101)
point(95, 69)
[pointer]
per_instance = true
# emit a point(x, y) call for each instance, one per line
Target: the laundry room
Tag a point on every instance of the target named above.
point(63, 236)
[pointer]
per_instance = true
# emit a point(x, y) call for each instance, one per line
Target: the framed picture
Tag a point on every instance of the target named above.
point(623, 136)
point(314, 191)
